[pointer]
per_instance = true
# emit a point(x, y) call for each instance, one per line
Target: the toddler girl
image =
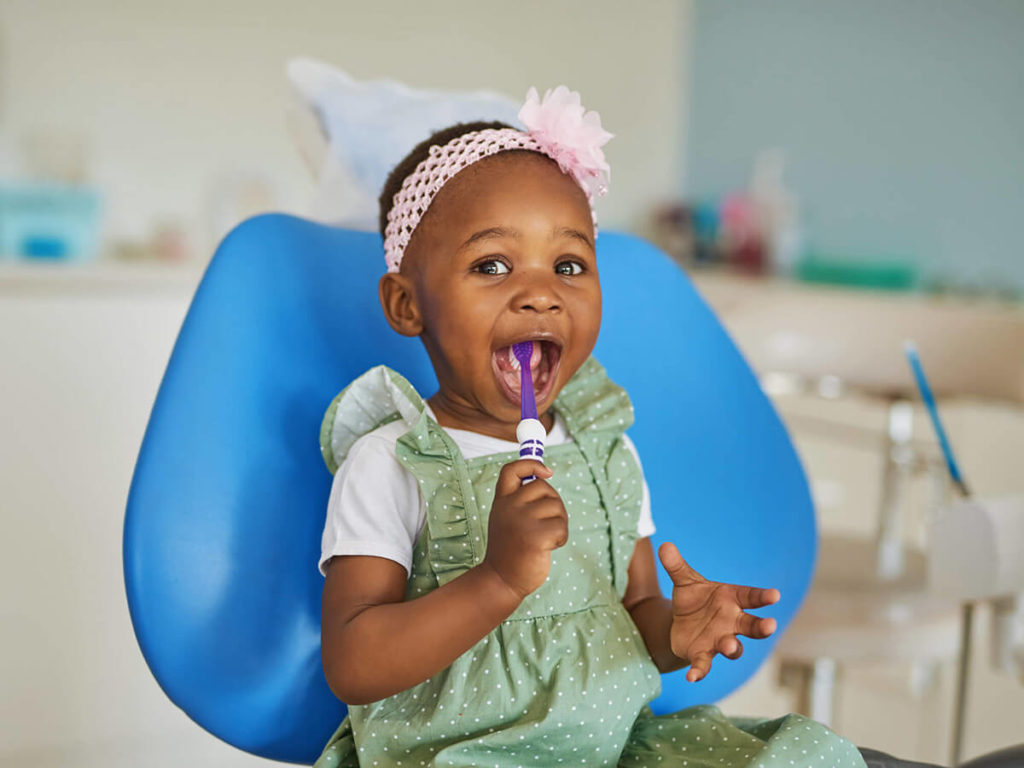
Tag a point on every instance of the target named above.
point(471, 619)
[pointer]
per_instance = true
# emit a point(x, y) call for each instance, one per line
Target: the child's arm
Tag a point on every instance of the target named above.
point(375, 644)
point(702, 618)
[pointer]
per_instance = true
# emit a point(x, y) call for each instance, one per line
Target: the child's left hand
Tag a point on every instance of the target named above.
point(708, 615)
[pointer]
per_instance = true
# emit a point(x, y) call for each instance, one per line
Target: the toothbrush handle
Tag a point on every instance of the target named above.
point(531, 433)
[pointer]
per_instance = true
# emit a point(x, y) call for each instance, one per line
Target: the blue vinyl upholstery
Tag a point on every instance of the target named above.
point(227, 504)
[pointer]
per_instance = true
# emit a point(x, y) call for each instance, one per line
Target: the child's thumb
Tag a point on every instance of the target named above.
point(673, 562)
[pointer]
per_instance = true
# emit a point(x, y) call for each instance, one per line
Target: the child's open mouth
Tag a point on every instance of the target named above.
point(543, 367)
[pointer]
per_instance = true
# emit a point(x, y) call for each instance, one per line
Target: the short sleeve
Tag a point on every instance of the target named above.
point(645, 527)
point(375, 507)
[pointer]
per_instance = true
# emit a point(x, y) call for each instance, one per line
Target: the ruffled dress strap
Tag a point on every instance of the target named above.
point(374, 399)
point(381, 396)
point(597, 412)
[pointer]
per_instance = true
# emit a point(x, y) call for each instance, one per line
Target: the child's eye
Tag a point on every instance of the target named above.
point(569, 268)
point(492, 267)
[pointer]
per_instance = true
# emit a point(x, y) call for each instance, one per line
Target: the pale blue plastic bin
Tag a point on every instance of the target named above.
point(50, 222)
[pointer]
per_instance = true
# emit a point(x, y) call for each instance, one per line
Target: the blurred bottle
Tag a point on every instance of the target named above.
point(671, 228)
point(740, 236)
point(706, 227)
point(777, 212)
point(688, 233)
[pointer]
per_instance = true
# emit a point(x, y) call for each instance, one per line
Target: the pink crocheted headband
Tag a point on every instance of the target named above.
point(558, 127)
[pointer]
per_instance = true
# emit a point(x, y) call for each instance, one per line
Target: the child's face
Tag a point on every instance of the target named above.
point(505, 254)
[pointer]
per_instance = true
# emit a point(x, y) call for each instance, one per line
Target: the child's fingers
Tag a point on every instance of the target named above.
point(511, 477)
point(531, 494)
point(550, 507)
point(730, 647)
point(755, 597)
point(555, 531)
point(677, 568)
point(700, 665)
point(757, 627)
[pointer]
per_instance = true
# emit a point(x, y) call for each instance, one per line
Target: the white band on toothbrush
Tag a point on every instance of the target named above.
point(531, 435)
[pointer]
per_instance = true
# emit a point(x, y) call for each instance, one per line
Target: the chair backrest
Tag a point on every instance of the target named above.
point(227, 505)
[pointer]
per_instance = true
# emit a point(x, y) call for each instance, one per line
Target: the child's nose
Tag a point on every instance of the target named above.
point(537, 294)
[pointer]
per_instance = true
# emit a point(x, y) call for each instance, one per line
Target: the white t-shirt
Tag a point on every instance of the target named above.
point(376, 507)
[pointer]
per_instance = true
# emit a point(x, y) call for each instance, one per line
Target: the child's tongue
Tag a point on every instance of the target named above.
point(508, 365)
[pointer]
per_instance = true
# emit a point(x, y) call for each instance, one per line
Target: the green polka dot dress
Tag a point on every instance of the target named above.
point(566, 679)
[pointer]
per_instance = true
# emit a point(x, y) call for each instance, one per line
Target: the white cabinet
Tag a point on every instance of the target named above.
point(82, 351)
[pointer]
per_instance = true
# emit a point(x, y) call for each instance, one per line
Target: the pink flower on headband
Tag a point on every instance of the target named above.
point(570, 135)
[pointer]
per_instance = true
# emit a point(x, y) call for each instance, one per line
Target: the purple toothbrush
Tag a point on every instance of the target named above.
point(530, 432)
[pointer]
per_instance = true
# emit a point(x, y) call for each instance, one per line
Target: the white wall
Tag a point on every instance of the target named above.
point(174, 96)
point(81, 362)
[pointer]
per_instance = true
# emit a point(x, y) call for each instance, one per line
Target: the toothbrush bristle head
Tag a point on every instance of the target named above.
point(523, 351)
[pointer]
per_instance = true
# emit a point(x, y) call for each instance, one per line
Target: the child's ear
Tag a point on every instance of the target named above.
point(398, 299)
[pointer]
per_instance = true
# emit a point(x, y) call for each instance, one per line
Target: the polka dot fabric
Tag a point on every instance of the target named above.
point(566, 679)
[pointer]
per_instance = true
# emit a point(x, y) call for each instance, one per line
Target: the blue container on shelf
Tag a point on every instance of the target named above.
point(48, 221)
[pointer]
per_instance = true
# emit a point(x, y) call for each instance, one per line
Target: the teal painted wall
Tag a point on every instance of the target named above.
point(902, 122)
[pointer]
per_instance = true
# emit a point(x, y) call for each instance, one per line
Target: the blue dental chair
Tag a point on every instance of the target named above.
point(227, 504)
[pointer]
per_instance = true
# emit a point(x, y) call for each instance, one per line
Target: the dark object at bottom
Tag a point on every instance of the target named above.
point(1011, 757)
point(876, 759)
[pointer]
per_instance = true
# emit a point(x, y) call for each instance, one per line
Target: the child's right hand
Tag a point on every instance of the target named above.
point(527, 522)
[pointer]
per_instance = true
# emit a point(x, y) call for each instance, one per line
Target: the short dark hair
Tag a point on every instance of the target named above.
point(420, 153)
